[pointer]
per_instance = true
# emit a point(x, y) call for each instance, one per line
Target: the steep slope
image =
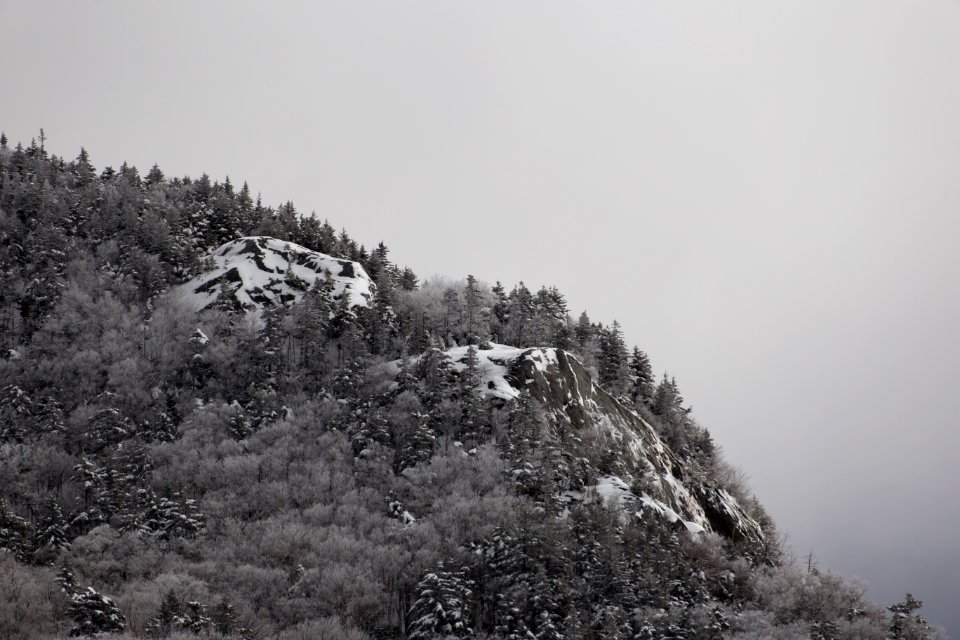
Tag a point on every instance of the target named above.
point(259, 271)
point(573, 402)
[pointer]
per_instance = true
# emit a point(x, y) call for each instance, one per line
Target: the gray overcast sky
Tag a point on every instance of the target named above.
point(765, 195)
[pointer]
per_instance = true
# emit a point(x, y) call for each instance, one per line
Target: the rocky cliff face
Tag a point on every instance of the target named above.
point(639, 458)
point(258, 271)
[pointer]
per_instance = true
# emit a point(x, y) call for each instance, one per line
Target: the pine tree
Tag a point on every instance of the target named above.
point(584, 331)
point(312, 328)
point(83, 171)
point(468, 396)
point(521, 310)
point(223, 618)
point(92, 478)
point(174, 517)
point(169, 618)
point(523, 598)
point(105, 429)
point(452, 313)
point(51, 531)
point(613, 359)
point(16, 535)
point(471, 304)
point(642, 381)
point(905, 624)
point(441, 606)
point(155, 176)
point(667, 401)
point(522, 434)
point(501, 312)
point(16, 411)
point(417, 446)
point(195, 618)
point(408, 280)
point(550, 322)
point(92, 612)
point(381, 325)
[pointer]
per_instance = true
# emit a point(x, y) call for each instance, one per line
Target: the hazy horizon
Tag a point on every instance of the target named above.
point(765, 197)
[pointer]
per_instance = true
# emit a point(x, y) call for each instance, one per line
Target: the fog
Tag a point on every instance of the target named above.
point(765, 195)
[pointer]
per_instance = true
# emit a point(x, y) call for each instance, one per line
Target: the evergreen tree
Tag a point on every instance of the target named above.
point(155, 176)
point(223, 619)
point(501, 312)
point(417, 446)
point(83, 171)
point(522, 433)
point(452, 313)
point(381, 325)
point(408, 280)
point(441, 607)
point(51, 531)
point(169, 618)
point(173, 517)
point(16, 535)
point(612, 362)
point(523, 599)
point(642, 381)
point(550, 325)
point(471, 305)
point(584, 331)
point(92, 612)
point(521, 310)
point(106, 428)
point(668, 403)
point(469, 398)
point(16, 411)
point(312, 328)
point(905, 624)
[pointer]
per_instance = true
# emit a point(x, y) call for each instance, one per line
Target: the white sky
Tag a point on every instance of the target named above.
point(764, 194)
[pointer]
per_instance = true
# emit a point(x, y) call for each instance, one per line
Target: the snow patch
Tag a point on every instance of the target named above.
point(260, 271)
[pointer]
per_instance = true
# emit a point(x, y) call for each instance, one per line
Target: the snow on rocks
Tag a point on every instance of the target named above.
point(259, 271)
point(615, 492)
point(494, 365)
point(567, 394)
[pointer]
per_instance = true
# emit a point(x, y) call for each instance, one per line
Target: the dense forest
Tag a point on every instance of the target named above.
point(316, 466)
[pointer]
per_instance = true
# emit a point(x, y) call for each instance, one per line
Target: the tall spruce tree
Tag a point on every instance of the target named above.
point(441, 607)
point(51, 532)
point(612, 360)
point(642, 380)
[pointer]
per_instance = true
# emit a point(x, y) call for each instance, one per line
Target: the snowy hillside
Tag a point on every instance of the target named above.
point(259, 272)
point(570, 397)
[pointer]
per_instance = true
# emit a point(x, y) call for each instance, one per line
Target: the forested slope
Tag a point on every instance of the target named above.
point(223, 419)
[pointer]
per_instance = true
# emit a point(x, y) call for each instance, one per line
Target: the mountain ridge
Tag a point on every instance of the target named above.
point(342, 470)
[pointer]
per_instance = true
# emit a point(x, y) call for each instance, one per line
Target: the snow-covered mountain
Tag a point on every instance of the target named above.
point(573, 402)
point(260, 271)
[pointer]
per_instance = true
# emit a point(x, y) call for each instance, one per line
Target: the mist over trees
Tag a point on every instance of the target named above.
point(324, 471)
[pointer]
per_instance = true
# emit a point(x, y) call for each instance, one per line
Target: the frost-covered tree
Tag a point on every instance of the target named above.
point(441, 607)
point(906, 624)
point(92, 612)
point(16, 535)
point(51, 531)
